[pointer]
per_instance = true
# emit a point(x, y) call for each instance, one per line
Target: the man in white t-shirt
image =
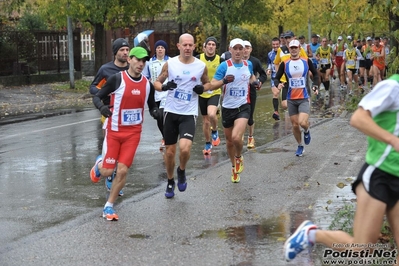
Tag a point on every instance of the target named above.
point(187, 79)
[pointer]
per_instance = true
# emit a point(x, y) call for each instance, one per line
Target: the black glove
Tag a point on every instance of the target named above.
point(170, 85)
point(256, 84)
point(228, 79)
point(156, 113)
point(104, 110)
point(199, 89)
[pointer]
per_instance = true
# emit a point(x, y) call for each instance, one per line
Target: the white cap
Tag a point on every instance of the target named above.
point(349, 37)
point(339, 37)
point(247, 43)
point(368, 38)
point(236, 41)
point(294, 43)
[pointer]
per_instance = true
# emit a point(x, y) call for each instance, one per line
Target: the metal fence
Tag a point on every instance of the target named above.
point(37, 52)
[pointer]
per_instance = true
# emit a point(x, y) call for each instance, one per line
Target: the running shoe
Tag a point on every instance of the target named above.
point(109, 214)
point(239, 164)
point(276, 116)
point(95, 174)
point(215, 138)
point(108, 183)
point(341, 87)
point(306, 137)
point(181, 179)
point(235, 177)
point(251, 143)
point(170, 190)
point(298, 241)
point(162, 146)
point(299, 152)
point(327, 98)
point(207, 149)
point(350, 93)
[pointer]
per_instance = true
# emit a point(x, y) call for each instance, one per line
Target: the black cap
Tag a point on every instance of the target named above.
point(289, 34)
point(211, 39)
point(314, 35)
point(118, 44)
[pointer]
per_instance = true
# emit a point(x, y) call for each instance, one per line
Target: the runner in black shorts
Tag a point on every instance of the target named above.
point(176, 125)
point(230, 115)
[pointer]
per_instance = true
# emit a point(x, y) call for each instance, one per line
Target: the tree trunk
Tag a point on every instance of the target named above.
point(223, 38)
point(99, 46)
point(393, 27)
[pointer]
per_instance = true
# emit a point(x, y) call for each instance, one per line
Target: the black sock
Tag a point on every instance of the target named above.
point(208, 142)
point(214, 131)
point(171, 181)
point(275, 104)
point(326, 85)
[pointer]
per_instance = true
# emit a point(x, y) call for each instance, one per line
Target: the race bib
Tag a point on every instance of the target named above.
point(209, 92)
point(131, 117)
point(162, 104)
point(368, 56)
point(297, 82)
point(237, 92)
point(324, 61)
point(351, 62)
point(182, 96)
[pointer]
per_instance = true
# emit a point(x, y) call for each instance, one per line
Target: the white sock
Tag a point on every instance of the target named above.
point(108, 204)
point(312, 236)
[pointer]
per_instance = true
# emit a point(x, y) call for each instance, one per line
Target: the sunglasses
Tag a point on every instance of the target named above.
point(294, 47)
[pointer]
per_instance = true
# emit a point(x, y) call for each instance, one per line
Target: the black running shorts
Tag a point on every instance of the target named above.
point(379, 184)
point(230, 115)
point(175, 125)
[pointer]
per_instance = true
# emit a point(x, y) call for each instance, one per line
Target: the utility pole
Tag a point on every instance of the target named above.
point(70, 53)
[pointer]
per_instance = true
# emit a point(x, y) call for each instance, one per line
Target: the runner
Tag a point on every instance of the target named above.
point(271, 70)
point(324, 55)
point(296, 69)
point(235, 75)
point(209, 101)
point(377, 185)
point(154, 67)
point(188, 78)
point(129, 91)
point(262, 77)
point(378, 58)
point(283, 54)
point(120, 49)
point(351, 56)
point(339, 61)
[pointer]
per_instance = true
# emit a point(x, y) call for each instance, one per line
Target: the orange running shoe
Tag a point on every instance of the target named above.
point(235, 177)
point(95, 175)
point(239, 164)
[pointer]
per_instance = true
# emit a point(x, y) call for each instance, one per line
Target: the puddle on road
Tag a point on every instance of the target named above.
point(261, 241)
point(140, 236)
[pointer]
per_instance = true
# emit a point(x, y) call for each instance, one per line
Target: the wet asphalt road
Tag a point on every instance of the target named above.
point(53, 210)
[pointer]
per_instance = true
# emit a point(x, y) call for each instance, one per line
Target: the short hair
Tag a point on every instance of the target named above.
point(275, 39)
point(377, 38)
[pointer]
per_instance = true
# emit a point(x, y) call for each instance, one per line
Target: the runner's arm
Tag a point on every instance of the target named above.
point(205, 80)
point(161, 78)
point(279, 74)
point(110, 86)
point(151, 100)
point(314, 73)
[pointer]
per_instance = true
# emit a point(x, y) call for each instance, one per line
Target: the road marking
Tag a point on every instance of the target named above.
point(49, 128)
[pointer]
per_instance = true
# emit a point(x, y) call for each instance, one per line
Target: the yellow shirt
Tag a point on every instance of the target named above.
point(211, 66)
point(284, 54)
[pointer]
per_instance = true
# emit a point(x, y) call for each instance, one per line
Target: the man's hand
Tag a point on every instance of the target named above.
point(315, 89)
point(256, 84)
point(155, 113)
point(199, 89)
point(104, 110)
point(228, 79)
point(170, 85)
